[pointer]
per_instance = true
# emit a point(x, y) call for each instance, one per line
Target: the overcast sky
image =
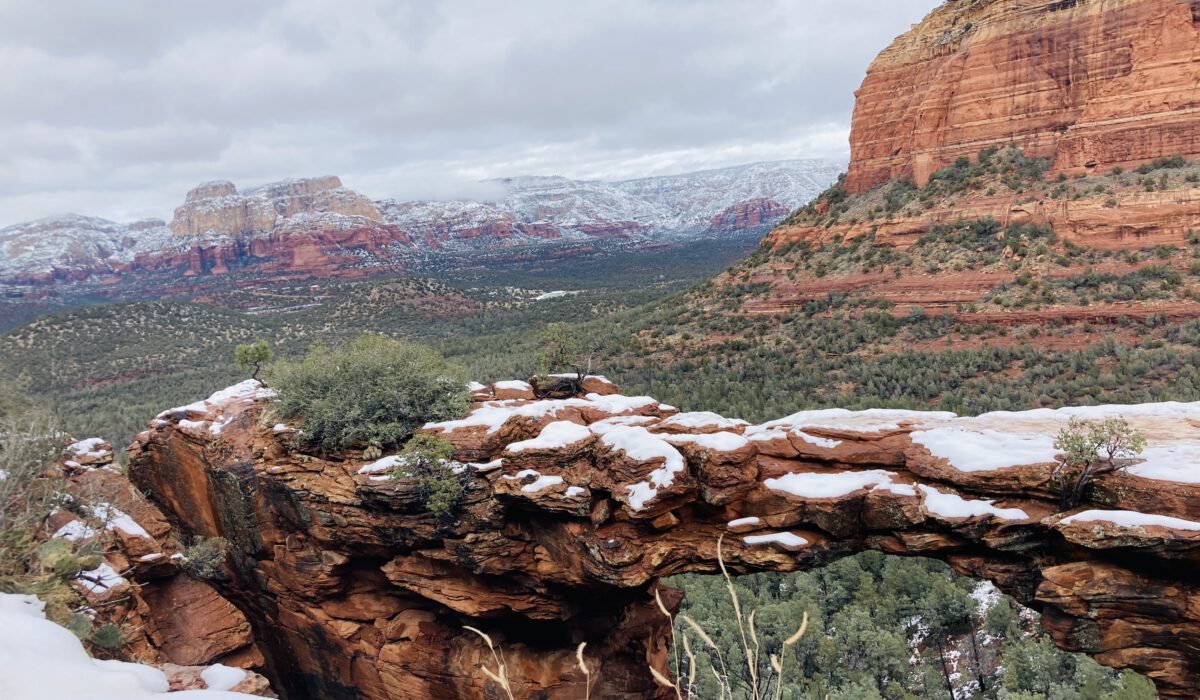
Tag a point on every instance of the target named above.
point(115, 108)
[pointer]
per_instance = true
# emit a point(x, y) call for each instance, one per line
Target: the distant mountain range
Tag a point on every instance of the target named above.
point(318, 226)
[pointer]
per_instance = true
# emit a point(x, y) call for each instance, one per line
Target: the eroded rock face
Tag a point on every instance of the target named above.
point(577, 507)
point(1089, 84)
point(167, 617)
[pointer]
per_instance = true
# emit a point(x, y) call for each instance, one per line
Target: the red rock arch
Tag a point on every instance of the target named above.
point(577, 507)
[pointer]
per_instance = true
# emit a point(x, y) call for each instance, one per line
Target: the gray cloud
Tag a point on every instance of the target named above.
point(116, 108)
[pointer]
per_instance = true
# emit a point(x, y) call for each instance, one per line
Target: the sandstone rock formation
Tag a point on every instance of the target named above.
point(1087, 83)
point(168, 619)
point(577, 507)
point(751, 214)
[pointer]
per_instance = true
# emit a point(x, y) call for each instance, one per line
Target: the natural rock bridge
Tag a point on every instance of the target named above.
point(578, 506)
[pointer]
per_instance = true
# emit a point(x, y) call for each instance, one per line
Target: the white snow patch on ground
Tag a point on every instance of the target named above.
point(787, 539)
point(41, 661)
point(555, 436)
point(1129, 518)
point(985, 450)
point(752, 520)
point(949, 505)
point(573, 491)
point(514, 385)
point(824, 485)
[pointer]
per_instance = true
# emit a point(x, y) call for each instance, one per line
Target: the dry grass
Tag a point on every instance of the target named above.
point(758, 687)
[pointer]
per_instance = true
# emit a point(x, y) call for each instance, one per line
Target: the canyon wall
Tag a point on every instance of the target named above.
point(1087, 83)
point(576, 507)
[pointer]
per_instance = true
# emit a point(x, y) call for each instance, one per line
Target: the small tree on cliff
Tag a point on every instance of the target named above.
point(1093, 448)
point(252, 356)
point(440, 481)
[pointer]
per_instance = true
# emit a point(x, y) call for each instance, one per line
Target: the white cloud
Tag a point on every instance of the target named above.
point(117, 108)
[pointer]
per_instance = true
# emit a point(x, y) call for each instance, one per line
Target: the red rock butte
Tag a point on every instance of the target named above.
point(1087, 83)
point(577, 507)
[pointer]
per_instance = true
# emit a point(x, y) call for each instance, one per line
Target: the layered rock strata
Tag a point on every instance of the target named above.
point(168, 619)
point(1087, 83)
point(576, 508)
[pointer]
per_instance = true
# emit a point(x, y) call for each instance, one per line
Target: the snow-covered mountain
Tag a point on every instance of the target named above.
point(318, 222)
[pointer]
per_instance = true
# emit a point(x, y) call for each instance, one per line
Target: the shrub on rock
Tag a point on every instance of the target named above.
point(374, 392)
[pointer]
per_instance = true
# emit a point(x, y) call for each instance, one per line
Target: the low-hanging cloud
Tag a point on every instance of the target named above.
point(117, 108)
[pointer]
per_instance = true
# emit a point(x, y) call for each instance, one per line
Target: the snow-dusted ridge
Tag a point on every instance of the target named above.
point(530, 210)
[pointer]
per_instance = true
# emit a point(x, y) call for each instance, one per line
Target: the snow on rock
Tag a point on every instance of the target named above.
point(250, 390)
point(718, 442)
point(872, 420)
point(603, 426)
point(986, 450)
point(92, 448)
point(555, 436)
point(949, 505)
point(492, 415)
point(540, 481)
point(41, 661)
point(514, 385)
point(787, 540)
point(100, 580)
point(643, 446)
point(116, 519)
point(74, 531)
point(574, 491)
point(701, 420)
point(1131, 519)
point(222, 677)
point(380, 466)
point(828, 485)
point(1173, 462)
point(745, 522)
point(615, 404)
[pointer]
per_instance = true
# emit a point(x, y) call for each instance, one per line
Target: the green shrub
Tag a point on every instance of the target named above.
point(375, 391)
point(429, 461)
point(205, 558)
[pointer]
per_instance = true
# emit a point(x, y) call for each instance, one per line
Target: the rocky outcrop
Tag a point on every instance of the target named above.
point(168, 619)
point(749, 215)
point(576, 507)
point(1087, 83)
point(217, 208)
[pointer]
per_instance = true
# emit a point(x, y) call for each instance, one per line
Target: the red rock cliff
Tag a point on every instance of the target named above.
point(1087, 83)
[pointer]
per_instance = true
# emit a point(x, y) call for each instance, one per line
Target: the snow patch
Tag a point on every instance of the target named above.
point(786, 539)
point(1132, 519)
point(828, 485)
point(949, 505)
point(985, 450)
point(554, 436)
